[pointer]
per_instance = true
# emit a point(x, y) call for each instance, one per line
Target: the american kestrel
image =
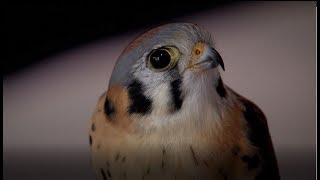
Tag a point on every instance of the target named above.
point(168, 115)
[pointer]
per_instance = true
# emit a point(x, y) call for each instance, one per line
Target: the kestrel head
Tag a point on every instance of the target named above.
point(170, 69)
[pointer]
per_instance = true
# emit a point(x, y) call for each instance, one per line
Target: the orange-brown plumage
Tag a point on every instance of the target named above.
point(178, 123)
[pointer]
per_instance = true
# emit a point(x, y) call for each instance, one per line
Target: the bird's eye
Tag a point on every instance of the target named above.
point(163, 58)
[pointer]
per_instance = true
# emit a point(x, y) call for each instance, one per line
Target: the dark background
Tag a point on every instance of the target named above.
point(35, 31)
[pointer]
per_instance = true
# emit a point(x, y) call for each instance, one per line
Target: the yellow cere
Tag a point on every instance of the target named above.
point(198, 50)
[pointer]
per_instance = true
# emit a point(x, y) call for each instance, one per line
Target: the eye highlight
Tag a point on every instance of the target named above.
point(163, 58)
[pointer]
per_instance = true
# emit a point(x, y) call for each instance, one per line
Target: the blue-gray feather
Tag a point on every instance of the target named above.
point(169, 34)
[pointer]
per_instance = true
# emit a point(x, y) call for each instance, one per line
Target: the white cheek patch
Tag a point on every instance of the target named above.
point(161, 99)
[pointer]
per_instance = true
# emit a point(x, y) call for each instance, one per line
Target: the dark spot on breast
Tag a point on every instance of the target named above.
point(223, 174)
point(117, 156)
point(139, 102)
point(225, 177)
point(148, 170)
point(90, 140)
point(103, 174)
point(252, 162)
point(220, 88)
point(235, 150)
point(205, 163)
point(194, 156)
point(93, 127)
point(176, 94)
point(108, 107)
point(123, 159)
point(109, 173)
point(162, 164)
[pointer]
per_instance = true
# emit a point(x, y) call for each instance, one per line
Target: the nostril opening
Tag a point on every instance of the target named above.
point(198, 52)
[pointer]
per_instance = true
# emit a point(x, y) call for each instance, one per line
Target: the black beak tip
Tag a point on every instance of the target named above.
point(220, 62)
point(219, 59)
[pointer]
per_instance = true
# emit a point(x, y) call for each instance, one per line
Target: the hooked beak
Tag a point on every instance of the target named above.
point(204, 57)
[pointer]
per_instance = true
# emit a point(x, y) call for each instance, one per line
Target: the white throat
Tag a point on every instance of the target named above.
point(201, 106)
point(202, 99)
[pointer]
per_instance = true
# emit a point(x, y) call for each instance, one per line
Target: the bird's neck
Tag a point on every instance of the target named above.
point(204, 102)
point(205, 96)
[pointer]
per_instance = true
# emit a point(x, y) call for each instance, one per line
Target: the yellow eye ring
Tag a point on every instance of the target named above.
point(163, 58)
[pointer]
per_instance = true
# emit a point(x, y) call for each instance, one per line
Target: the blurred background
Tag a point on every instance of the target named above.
point(59, 60)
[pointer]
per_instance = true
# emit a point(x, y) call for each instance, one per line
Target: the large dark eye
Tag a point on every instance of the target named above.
point(163, 58)
point(159, 59)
